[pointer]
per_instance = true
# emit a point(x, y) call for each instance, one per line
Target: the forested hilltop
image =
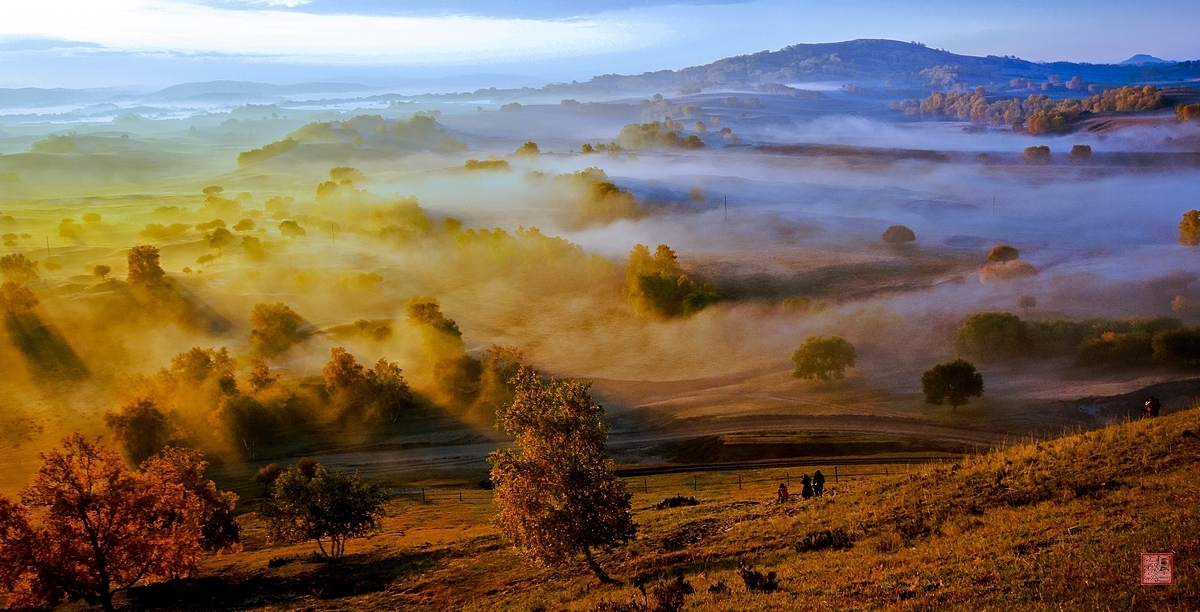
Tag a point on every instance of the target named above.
point(899, 64)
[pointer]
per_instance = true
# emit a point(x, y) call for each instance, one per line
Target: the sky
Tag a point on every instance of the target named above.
point(155, 43)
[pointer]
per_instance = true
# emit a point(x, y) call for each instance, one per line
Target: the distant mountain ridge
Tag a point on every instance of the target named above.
point(1141, 59)
point(250, 88)
point(903, 68)
point(892, 63)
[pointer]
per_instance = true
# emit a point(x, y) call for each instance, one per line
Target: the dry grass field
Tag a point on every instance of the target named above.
point(1049, 524)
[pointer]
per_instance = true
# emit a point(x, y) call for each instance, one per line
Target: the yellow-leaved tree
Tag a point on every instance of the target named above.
point(1189, 228)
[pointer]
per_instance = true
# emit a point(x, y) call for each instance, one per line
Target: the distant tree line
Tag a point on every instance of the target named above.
point(418, 133)
point(1001, 336)
point(1035, 114)
point(656, 135)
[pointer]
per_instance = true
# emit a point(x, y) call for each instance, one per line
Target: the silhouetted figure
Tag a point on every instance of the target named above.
point(807, 491)
point(783, 493)
point(1151, 407)
point(818, 483)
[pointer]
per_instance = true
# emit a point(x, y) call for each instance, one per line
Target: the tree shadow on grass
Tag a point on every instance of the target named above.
point(188, 309)
point(45, 350)
point(157, 304)
point(352, 576)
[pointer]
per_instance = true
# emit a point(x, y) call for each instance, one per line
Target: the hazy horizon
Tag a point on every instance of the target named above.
point(155, 43)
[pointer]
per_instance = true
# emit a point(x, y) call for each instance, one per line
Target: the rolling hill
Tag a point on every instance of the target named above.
point(895, 63)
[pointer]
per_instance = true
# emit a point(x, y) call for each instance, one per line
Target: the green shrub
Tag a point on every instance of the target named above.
point(1177, 346)
point(1116, 348)
point(992, 336)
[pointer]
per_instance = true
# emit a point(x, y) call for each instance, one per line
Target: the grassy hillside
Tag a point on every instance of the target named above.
point(1053, 524)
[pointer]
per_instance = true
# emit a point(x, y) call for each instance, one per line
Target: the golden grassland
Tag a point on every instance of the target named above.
point(1050, 524)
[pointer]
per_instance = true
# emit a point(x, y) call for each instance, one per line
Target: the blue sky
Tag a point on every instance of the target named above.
point(90, 43)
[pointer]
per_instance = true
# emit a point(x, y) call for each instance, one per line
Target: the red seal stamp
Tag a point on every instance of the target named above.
point(1158, 568)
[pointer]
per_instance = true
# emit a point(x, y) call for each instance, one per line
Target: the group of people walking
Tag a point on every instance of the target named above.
point(812, 487)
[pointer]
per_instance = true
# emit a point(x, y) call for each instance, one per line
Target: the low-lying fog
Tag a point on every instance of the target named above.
point(762, 224)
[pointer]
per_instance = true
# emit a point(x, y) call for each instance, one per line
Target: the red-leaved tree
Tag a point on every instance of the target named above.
point(89, 527)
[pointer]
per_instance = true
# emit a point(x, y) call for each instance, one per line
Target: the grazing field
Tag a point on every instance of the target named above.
point(1056, 523)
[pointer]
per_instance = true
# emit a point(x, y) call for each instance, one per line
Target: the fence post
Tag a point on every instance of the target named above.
point(787, 476)
point(645, 485)
point(422, 494)
point(460, 495)
point(835, 476)
point(695, 483)
point(739, 482)
point(885, 471)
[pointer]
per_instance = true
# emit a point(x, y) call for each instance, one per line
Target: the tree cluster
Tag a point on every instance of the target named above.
point(542, 263)
point(267, 151)
point(1187, 112)
point(528, 149)
point(1189, 228)
point(274, 328)
point(1000, 336)
point(597, 199)
point(1038, 154)
point(656, 285)
point(419, 133)
point(198, 402)
point(380, 393)
point(604, 202)
point(487, 164)
point(17, 268)
point(1036, 114)
point(657, 135)
point(588, 148)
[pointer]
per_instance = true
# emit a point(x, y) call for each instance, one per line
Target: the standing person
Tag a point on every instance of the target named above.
point(807, 491)
point(818, 483)
point(1151, 407)
point(783, 493)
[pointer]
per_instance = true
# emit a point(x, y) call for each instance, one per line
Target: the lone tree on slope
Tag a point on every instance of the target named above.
point(558, 494)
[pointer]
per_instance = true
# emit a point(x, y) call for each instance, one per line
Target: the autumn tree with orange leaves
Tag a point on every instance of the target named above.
point(557, 492)
point(89, 527)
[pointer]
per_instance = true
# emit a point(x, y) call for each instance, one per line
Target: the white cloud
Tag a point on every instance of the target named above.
point(171, 25)
point(287, 3)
